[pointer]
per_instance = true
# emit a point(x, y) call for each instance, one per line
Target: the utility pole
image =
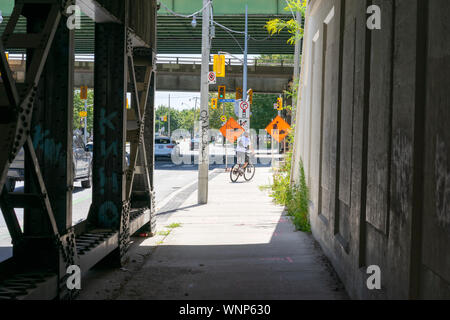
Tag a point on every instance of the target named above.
point(245, 77)
point(203, 152)
point(168, 118)
point(85, 122)
point(244, 84)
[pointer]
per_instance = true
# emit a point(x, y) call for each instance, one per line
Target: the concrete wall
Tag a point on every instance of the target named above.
point(373, 134)
point(186, 77)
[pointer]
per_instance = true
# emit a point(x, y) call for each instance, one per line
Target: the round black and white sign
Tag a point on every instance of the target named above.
point(244, 105)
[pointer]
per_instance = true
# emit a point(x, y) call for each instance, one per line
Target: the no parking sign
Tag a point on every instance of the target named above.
point(212, 77)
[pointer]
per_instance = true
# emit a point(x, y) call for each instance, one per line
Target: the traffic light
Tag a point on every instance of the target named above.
point(213, 103)
point(250, 96)
point(222, 91)
point(238, 93)
point(219, 65)
point(83, 92)
point(280, 103)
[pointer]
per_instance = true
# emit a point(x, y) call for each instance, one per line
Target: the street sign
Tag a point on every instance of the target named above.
point(278, 129)
point(244, 105)
point(223, 118)
point(244, 124)
point(82, 114)
point(226, 100)
point(212, 77)
point(231, 130)
point(244, 114)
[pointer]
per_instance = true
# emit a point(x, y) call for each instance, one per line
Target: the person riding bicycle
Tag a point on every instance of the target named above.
point(242, 150)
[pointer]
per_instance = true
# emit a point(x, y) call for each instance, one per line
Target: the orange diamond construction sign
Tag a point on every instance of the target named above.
point(278, 129)
point(232, 130)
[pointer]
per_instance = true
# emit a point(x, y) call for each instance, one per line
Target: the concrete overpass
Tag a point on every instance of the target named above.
point(183, 74)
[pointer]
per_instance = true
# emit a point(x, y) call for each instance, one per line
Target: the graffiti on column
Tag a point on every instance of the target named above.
point(108, 211)
point(204, 119)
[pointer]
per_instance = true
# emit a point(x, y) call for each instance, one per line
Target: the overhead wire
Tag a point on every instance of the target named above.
point(227, 29)
point(184, 16)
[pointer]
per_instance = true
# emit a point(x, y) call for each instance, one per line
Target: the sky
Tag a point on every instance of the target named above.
point(182, 100)
point(178, 100)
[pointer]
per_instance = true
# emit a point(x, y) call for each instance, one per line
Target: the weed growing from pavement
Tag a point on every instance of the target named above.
point(164, 233)
point(174, 225)
point(294, 198)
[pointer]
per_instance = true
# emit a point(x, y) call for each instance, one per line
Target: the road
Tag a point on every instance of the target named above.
point(168, 178)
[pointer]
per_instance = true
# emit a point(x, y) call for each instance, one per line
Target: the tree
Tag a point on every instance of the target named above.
point(175, 119)
point(262, 111)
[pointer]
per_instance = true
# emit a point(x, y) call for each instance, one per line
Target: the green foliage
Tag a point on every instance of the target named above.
point(263, 111)
point(294, 198)
point(292, 26)
point(174, 225)
point(262, 114)
point(164, 233)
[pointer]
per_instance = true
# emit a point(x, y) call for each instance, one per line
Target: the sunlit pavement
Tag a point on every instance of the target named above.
point(238, 246)
point(169, 178)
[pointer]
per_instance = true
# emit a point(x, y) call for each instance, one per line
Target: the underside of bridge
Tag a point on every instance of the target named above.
point(372, 133)
point(177, 36)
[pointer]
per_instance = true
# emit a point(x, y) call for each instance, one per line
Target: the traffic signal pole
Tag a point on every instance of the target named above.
point(85, 122)
point(203, 152)
point(245, 77)
point(244, 84)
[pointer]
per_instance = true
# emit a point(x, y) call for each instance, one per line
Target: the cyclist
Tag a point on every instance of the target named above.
point(242, 150)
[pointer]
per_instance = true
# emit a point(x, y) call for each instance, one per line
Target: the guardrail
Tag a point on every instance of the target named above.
point(228, 61)
point(189, 60)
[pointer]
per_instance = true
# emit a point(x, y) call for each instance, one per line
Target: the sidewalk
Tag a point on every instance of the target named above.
point(239, 246)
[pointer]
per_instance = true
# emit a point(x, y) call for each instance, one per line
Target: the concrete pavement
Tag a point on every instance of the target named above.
point(238, 246)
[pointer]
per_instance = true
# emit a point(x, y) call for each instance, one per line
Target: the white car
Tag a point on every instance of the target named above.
point(164, 146)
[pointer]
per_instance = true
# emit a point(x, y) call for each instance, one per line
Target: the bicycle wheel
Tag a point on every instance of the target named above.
point(234, 173)
point(249, 172)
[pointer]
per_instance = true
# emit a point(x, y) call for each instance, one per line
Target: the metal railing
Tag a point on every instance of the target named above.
point(252, 62)
point(228, 61)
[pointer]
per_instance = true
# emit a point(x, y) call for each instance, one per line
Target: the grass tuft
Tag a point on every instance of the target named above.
point(174, 225)
point(164, 233)
point(295, 198)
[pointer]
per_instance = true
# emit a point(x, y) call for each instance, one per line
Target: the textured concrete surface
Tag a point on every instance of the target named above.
point(372, 134)
point(239, 246)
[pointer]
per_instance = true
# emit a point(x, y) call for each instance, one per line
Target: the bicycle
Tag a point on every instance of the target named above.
point(237, 171)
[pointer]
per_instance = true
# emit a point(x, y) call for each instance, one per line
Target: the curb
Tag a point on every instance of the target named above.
point(167, 199)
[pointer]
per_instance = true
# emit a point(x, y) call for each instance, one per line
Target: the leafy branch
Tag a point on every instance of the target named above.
point(275, 26)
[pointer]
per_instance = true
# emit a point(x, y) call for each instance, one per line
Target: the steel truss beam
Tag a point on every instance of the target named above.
point(45, 243)
point(123, 198)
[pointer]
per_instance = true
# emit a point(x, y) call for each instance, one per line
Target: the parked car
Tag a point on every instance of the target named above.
point(164, 146)
point(16, 171)
point(90, 148)
point(82, 165)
